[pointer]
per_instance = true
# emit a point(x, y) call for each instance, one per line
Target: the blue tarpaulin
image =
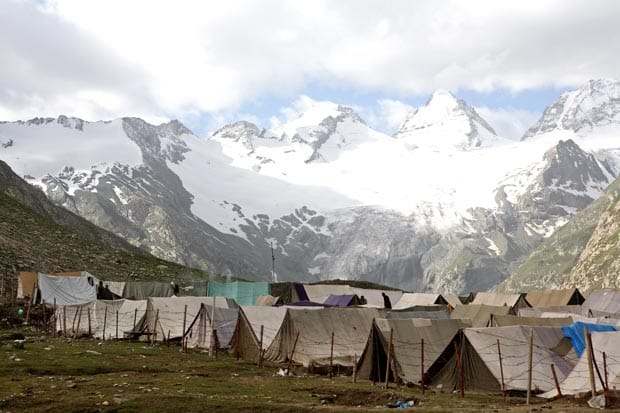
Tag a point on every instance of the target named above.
point(340, 300)
point(575, 333)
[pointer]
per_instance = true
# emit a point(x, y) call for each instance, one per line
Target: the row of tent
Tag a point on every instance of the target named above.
point(315, 337)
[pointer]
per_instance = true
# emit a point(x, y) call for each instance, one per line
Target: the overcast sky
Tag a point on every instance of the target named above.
point(212, 62)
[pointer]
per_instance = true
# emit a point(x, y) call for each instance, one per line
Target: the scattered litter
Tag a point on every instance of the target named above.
point(403, 405)
point(105, 403)
point(71, 385)
point(597, 402)
point(47, 348)
point(93, 352)
point(282, 372)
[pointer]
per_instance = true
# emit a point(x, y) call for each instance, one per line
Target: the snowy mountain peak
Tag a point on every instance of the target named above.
point(446, 121)
point(596, 103)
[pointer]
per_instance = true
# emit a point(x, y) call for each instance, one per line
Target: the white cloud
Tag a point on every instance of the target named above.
point(508, 122)
point(164, 58)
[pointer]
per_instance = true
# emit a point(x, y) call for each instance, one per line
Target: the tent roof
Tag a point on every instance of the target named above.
point(66, 290)
point(479, 314)
point(340, 300)
point(269, 317)
point(497, 299)
point(318, 293)
point(498, 320)
point(549, 298)
point(244, 293)
point(452, 299)
point(412, 299)
point(606, 300)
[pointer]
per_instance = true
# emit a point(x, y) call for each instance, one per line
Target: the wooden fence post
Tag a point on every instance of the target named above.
point(589, 355)
point(529, 365)
point(555, 380)
point(422, 364)
point(117, 324)
point(105, 320)
point(89, 324)
point(77, 330)
point(459, 366)
point(355, 368)
point(331, 358)
point(260, 349)
point(290, 360)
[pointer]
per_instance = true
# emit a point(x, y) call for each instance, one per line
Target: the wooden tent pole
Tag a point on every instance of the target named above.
point(529, 365)
point(589, 355)
point(422, 365)
point(331, 358)
point(389, 358)
point(105, 320)
point(290, 360)
point(555, 380)
point(260, 348)
point(501, 370)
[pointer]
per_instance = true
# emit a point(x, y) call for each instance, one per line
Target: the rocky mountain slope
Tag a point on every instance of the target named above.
point(36, 235)
point(443, 205)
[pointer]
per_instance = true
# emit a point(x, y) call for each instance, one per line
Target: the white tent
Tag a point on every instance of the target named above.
point(66, 290)
point(415, 299)
point(578, 381)
point(218, 319)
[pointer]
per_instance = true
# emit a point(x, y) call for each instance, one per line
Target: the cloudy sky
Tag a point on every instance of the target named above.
point(211, 62)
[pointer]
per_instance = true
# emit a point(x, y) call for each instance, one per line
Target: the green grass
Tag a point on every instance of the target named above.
point(57, 374)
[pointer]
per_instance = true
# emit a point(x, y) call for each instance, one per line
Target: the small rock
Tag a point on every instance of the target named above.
point(105, 403)
point(71, 385)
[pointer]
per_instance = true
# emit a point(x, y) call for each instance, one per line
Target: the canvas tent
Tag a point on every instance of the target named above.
point(26, 284)
point(480, 359)
point(165, 315)
point(498, 320)
point(318, 293)
point(452, 299)
point(514, 301)
point(350, 326)
point(342, 300)
point(244, 293)
point(141, 290)
point(567, 310)
point(220, 320)
point(552, 298)
point(267, 300)
point(433, 312)
point(578, 381)
point(478, 314)
point(66, 290)
point(246, 341)
point(408, 334)
point(602, 301)
point(575, 332)
point(414, 299)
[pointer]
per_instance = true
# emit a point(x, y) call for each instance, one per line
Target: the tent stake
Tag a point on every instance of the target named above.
point(331, 358)
point(555, 379)
point(529, 366)
point(290, 360)
point(389, 359)
point(184, 325)
point(501, 370)
point(355, 368)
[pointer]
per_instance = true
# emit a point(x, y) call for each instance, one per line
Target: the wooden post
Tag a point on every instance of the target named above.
point(459, 366)
point(168, 340)
point(184, 324)
point(212, 341)
point(89, 323)
point(422, 365)
point(154, 336)
point(236, 344)
point(501, 370)
point(355, 368)
point(77, 330)
point(260, 349)
point(105, 320)
point(290, 360)
point(28, 311)
point(64, 318)
point(589, 355)
point(331, 358)
point(116, 325)
point(555, 379)
point(606, 382)
point(44, 317)
point(529, 365)
point(135, 319)
point(389, 358)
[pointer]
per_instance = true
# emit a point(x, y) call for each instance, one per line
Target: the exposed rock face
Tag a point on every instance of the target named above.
point(597, 103)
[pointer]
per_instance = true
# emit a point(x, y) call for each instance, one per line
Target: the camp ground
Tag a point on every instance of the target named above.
point(478, 314)
point(480, 359)
point(416, 345)
point(514, 301)
point(606, 350)
point(309, 333)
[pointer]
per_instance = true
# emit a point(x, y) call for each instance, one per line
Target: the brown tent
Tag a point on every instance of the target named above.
point(554, 298)
point(478, 314)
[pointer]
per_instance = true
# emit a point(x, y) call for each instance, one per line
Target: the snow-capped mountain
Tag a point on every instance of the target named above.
point(446, 122)
point(597, 103)
point(335, 198)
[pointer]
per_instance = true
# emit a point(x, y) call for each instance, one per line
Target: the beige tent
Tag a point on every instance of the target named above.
point(246, 341)
point(498, 320)
point(567, 310)
point(478, 314)
point(318, 293)
point(602, 302)
point(480, 359)
point(408, 334)
point(414, 299)
point(514, 301)
point(578, 381)
point(552, 298)
point(452, 299)
point(350, 326)
point(210, 319)
point(267, 300)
